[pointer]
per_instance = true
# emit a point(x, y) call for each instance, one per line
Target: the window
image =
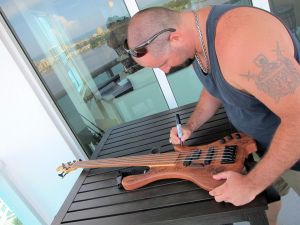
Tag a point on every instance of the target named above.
point(76, 48)
point(287, 10)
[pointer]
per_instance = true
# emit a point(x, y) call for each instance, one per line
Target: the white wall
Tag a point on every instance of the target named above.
point(13, 199)
point(33, 140)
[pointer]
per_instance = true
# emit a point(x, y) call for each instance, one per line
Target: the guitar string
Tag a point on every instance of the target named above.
point(195, 156)
point(167, 160)
point(172, 157)
point(167, 156)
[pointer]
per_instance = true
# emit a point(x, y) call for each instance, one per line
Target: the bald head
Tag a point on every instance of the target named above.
point(150, 21)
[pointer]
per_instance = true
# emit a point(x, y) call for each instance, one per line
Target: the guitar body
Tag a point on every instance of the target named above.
point(199, 163)
point(194, 163)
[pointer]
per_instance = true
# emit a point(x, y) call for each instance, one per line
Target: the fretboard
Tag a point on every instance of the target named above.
point(164, 159)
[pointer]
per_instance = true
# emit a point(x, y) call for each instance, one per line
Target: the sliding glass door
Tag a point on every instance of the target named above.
point(76, 49)
point(287, 10)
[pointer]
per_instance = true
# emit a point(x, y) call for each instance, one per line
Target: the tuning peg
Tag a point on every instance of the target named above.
point(80, 160)
point(69, 163)
point(62, 175)
point(63, 165)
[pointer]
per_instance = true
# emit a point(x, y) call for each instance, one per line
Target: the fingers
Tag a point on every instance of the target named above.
point(173, 136)
point(219, 194)
point(220, 190)
point(217, 191)
point(186, 133)
point(236, 190)
point(222, 175)
point(220, 198)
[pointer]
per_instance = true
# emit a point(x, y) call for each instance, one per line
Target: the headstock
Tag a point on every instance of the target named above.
point(66, 168)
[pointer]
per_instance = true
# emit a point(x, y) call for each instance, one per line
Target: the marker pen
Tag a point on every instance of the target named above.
point(179, 130)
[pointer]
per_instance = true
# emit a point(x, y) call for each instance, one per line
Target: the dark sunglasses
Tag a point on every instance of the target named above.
point(141, 49)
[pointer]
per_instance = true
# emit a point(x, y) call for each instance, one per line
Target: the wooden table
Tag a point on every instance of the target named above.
point(96, 200)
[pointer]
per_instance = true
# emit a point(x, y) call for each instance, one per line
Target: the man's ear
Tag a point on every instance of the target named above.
point(176, 38)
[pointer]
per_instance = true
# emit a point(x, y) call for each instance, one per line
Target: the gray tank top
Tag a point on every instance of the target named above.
point(245, 112)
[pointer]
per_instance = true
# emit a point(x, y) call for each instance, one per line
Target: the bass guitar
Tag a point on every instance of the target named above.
point(193, 163)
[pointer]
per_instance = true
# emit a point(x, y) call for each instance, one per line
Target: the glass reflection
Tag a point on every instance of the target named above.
point(180, 5)
point(287, 11)
point(76, 48)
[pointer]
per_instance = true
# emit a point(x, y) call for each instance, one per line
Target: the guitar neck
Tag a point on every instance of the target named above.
point(164, 159)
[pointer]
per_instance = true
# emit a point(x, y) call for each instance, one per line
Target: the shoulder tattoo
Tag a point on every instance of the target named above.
point(276, 78)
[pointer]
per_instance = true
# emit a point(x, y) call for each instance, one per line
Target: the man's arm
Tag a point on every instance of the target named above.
point(282, 96)
point(204, 110)
point(272, 75)
point(284, 150)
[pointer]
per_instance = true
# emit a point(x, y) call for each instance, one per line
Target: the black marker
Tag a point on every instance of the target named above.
point(179, 130)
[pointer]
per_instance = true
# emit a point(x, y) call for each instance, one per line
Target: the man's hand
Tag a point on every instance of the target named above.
point(237, 189)
point(186, 133)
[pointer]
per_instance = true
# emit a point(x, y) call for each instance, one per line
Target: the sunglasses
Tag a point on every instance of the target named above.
point(141, 49)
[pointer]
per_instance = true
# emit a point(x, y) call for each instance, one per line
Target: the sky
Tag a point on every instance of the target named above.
point(77, 17)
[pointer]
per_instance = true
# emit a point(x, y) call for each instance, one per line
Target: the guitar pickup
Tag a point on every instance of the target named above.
point(229, 154)
point(209, 156)
point(195, 155)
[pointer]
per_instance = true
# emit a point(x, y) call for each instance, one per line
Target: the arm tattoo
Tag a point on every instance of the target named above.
point(276, 78)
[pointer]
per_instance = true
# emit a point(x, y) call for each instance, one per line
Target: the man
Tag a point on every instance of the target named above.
point(247, 61)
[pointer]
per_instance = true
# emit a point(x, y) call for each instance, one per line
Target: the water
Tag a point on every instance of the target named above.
point(92, 60)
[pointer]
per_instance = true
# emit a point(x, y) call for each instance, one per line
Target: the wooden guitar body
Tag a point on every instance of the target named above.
point(200, 170)
point(194, 163)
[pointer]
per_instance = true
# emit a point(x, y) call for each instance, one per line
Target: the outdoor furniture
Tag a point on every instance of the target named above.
point(96, 200)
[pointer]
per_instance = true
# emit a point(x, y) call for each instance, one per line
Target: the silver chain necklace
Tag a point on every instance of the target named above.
point(204, 69)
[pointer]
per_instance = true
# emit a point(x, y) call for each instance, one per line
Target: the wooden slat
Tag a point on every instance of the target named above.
point(98, 185)
point(153, 118)
point(170, 120)
point(103, 192)
point(96, 177)
point(214, 124)
point(127, 196)
point(158, 120)
point(194, 209)
point(160, 141)
point(139, 205)
point(153, 130)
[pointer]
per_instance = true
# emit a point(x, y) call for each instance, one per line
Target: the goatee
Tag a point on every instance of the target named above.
point(185, 64)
